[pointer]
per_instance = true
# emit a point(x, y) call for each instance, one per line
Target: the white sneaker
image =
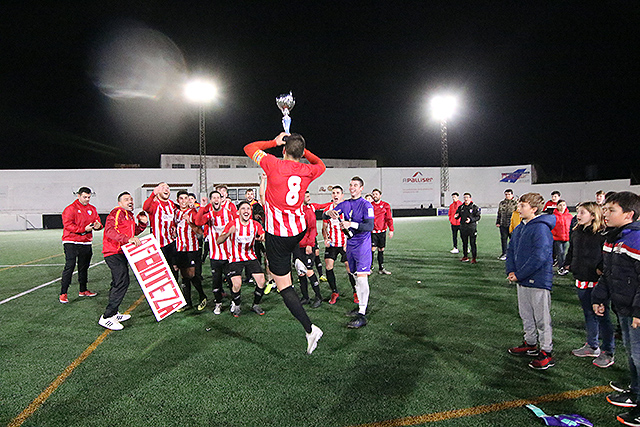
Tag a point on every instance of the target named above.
point(110, 323)
point(235, 309)
point(122, 317)
point(502, 257)
point(218, 308)
point(312, 338)
point(454, 251)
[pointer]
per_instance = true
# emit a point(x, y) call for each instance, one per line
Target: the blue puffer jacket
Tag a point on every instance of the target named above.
point(620, 282)
point(530, 253)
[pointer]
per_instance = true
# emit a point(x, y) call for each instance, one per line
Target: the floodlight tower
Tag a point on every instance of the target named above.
point(442, 109)
point(202, 93)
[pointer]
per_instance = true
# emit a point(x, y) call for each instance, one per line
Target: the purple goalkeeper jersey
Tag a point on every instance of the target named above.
point(361, 211)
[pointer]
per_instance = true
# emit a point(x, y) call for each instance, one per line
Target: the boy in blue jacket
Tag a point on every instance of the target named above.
point(530, 264)
point(620, 284)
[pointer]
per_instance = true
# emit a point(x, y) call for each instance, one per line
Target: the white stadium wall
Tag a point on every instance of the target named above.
point(25, 195)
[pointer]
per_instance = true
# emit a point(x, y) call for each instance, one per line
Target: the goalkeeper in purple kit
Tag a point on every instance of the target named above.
point(357, 225)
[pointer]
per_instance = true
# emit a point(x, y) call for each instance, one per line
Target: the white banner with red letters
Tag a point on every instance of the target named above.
point(155, 277)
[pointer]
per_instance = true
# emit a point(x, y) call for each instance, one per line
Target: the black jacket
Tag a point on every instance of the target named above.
point(470, 211)
point(585, 254)
point(620, 281)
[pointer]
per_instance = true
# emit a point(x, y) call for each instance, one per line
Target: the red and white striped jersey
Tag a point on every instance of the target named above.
point(216, 221)
point(228, 204)
point(162, 219)
point(287, 182)
point(186, 239)
point(243, 239)
point(336, 237)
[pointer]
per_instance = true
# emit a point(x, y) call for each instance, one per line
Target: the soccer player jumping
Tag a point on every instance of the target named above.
point(358, 224)
point(287, 181)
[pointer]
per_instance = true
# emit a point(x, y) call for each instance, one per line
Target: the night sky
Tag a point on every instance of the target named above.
point(549, 83)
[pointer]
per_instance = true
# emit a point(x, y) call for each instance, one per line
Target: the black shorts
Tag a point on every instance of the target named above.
point(307, 259)
point(170, 253)
point(218, 265)
point(187, 259)
point(332, 252)
point(379, 240)
point(279, 250)
point(250, 267)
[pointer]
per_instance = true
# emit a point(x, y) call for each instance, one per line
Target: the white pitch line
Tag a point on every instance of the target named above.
point(31, 265)
point(43, 285)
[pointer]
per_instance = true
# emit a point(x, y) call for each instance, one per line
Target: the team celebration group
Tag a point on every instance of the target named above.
point(283, 226)
point(600, 246)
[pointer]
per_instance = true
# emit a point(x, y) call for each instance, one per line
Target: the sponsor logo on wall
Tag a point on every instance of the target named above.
point(417, 178)
point(518, 175)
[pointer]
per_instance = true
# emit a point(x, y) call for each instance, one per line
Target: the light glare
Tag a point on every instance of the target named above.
point(443, 107)
point(200, 91)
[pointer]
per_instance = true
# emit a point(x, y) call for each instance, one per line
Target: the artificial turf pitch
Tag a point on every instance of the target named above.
point(436, 342)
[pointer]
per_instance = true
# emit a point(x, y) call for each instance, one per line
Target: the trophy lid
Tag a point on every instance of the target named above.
point(285, 102)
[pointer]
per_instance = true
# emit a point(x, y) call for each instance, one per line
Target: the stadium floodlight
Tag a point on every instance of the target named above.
point(442, 108)
point(201, 92)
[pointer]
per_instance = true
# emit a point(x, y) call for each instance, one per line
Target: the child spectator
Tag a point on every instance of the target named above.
point(553, 203)
point(529, 263)
point(561, 235)
point(455, 222)
point(620, 284)
point(584, 259)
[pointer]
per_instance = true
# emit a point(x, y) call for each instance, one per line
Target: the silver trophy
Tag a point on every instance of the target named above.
point(285, 103)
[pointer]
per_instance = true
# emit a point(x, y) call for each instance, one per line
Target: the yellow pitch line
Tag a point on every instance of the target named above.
point(483, 409)
point(33, 407)
point(31, 262)
point(36, 260)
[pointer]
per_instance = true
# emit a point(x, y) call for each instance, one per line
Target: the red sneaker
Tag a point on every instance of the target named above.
point(525, 349)
point(473, 261)
point(63, 299)
point(355, 299)
point(334, 298)
point(542, 361)
point(87, 293)
point(464, 259)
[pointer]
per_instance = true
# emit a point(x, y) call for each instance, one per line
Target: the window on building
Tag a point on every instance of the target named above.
point(195, 165)
point(177, 166)
point(224, 166)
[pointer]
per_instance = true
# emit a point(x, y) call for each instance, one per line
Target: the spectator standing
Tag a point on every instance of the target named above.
point(455, 222)
point(530, 265)
point(561, 235)
point(503, 221)
point(469, 215)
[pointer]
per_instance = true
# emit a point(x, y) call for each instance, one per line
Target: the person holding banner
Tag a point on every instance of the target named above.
point(187, 246)
point(245, 231)
point(288, 179)
point(216, 218)
point(120, 229)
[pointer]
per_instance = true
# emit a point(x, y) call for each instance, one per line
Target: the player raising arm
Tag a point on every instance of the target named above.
point(285, 224)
